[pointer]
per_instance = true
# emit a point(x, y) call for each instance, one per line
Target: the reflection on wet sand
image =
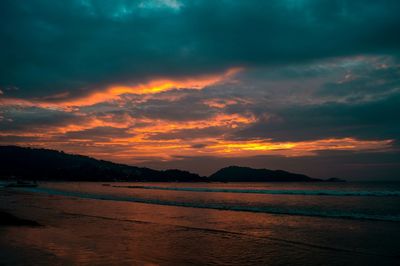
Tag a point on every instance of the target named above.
point(93, 232)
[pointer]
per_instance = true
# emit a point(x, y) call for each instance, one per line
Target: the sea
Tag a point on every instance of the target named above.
point(122, 223)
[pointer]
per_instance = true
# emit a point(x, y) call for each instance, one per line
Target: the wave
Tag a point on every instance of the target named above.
point(385, 193)
point(255, 209)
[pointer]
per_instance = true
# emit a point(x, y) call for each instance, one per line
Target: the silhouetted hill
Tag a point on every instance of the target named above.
point(44, 164)
point(246, 174)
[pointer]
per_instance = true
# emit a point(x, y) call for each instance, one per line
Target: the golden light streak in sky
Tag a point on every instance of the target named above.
point(115, 91)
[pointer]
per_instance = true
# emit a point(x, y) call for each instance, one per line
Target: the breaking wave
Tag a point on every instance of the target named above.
point(217, 206)
point(353, 193)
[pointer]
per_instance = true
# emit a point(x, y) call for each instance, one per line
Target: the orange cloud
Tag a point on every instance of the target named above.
point(222, 103)
point(219, 120)
point(114, 92)
point(138, 141)
point(139, 145)
point(153, 87)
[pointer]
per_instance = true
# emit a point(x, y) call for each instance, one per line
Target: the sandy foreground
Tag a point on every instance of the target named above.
point(41, 229)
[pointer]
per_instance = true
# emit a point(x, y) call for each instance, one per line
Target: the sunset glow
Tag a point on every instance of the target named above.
point(199, 132)
point(184, 91)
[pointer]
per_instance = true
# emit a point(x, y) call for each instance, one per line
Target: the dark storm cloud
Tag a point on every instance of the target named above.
point(50, 47)
point(182, 105)
point(185, 109)
point(34, 118)
point(365, 83)
point(98, 134)
point(18, 139)
point(365, 120)
point(189, 134)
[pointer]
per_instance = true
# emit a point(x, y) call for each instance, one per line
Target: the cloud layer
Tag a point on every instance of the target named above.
point(152, 82)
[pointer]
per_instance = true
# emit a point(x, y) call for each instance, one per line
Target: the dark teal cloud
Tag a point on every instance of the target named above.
point(50, 47)
point(377, 119)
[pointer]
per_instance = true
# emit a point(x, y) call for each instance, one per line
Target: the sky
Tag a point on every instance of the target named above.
point(310, 86)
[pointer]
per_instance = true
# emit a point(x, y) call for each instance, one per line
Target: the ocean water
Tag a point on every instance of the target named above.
point(205, 224)
point(371, 201)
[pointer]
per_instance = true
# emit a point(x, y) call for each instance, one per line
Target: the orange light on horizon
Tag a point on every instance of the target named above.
point(293, 149)
point(138, 146)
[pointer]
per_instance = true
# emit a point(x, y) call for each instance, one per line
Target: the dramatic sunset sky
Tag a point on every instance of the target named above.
point(302, 85)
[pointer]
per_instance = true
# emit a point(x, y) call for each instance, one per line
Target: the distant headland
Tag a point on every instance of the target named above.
point(51, 165)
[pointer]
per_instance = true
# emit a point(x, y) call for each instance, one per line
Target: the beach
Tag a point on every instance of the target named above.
point(93, 224)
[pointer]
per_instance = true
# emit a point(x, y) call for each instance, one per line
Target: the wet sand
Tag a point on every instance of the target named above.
point(94, 232)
